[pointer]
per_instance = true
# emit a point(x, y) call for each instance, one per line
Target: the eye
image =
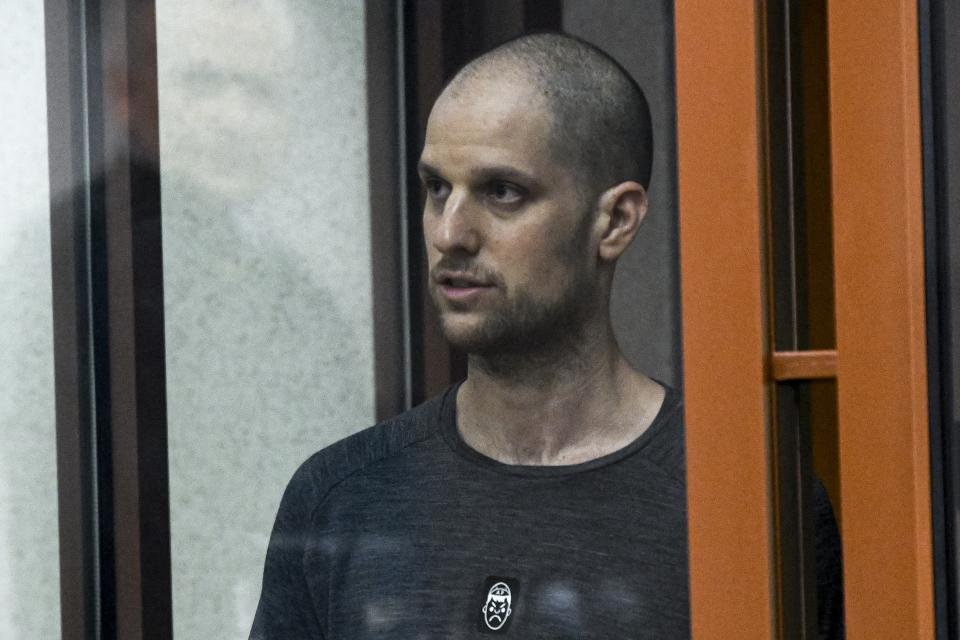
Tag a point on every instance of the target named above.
point(505, 193)
point(437, 189)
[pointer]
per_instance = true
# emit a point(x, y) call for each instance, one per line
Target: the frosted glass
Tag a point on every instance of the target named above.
point(29, 565)
point(267, 267)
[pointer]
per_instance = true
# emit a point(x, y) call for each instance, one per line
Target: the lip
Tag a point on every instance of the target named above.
point(462, 294)
point(460, 286)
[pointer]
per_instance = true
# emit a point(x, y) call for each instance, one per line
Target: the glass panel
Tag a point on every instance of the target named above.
point(269, 337)
point(646, 296)
point(800, 223)
point(949, 107)
point(267, 276)
point(29, 567)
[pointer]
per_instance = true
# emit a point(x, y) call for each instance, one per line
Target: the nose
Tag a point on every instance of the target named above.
point(454, 229)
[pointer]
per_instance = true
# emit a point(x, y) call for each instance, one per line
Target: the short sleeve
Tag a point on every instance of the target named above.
point(286, 610)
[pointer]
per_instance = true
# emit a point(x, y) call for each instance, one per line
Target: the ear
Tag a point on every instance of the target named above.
point(621, 210)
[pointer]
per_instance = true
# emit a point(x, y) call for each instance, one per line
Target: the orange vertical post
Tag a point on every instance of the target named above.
point(724, 332)
point(881, 367)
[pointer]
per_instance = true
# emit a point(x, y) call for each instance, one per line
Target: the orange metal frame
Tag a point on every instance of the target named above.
point(803, 365)
point(879, 362)
point(724, 333)
point(881, 368)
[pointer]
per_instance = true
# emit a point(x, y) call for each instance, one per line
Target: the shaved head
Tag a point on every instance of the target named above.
point(599, 118)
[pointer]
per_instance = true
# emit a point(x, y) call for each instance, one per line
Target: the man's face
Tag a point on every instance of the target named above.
point(508, 237)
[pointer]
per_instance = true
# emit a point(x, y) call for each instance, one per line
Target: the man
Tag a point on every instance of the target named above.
point(544, 496)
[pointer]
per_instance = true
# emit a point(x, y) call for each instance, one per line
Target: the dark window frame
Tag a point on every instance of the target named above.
point(937, 72)
point(108, 320)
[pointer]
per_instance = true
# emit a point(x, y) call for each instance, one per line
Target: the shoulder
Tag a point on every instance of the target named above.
point(330, 466)
point(665, 437)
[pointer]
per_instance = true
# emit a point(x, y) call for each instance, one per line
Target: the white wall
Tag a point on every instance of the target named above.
point(267, 275)
point(29, 565)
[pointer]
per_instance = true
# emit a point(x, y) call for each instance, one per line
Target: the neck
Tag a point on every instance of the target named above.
point(564, 404)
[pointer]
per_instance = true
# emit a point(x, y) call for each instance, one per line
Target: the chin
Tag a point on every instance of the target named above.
point(528, 324)
point(486, 338)
point(463, 334)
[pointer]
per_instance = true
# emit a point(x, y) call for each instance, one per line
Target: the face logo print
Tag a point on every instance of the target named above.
point(497, 609)
point(498, 606)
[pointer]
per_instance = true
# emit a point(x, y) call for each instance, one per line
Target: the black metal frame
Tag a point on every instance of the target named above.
point(391, 320)
point(76, 470)
point(939, 46)
point(108, 319)
point(795, 302)
point(783, 187)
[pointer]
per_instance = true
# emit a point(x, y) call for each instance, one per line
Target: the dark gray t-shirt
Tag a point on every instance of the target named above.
point(402, 531)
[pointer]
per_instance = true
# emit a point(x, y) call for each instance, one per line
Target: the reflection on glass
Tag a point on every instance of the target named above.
point(267, 268)
point(29, 567)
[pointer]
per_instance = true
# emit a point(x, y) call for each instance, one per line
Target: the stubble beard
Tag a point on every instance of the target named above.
point(530, 335)
point(527, 333)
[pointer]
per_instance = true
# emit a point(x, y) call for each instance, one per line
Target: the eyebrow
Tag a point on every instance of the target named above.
point(503, 172)
point(424, 168)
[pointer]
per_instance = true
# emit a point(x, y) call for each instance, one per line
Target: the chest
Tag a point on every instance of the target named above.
point(463, 560)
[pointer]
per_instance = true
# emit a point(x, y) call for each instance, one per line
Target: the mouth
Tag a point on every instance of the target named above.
point(461, 286)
